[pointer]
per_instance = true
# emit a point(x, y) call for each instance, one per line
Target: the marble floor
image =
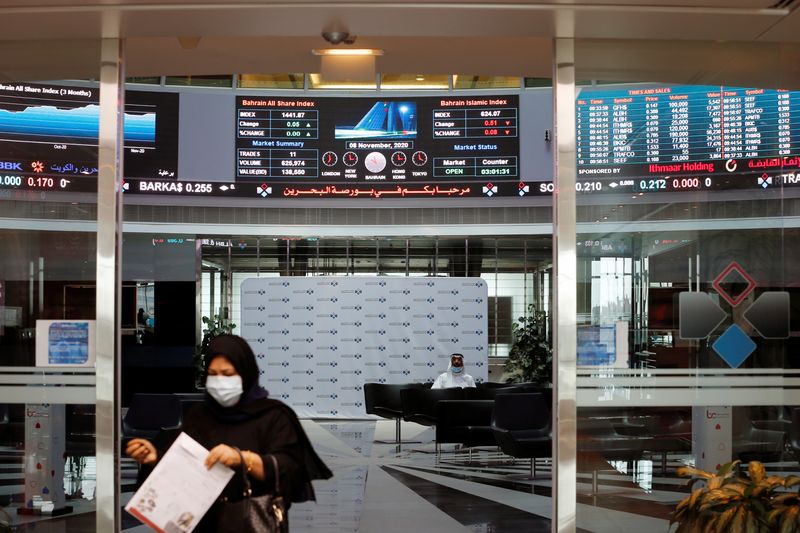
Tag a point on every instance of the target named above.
point(382, 489)
point(378, 488)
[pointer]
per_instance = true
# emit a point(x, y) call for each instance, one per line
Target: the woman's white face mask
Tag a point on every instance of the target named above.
point(226, 390)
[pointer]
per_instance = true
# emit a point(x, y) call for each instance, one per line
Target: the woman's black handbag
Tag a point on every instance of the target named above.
point(256, 514)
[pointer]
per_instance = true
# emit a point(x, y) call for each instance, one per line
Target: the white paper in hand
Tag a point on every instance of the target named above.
point(180, 490)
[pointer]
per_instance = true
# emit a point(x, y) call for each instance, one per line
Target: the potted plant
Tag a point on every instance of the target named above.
point(213, 327)
point(531, 355)
point(732, 500)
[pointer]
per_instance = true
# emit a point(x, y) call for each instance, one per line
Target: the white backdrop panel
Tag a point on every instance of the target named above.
point(319, 339)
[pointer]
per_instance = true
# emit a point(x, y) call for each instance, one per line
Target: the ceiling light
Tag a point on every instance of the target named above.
point(396, 86)
point(347, 52)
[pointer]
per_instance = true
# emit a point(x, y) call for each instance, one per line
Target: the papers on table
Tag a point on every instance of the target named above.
point(180, 490)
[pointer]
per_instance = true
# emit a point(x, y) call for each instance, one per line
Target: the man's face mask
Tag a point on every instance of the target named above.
point(457, 365)
point(226, 390)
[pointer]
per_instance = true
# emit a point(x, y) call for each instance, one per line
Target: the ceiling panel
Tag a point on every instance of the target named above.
point(488, 38)
point(501, 56)
point(54, 5)
point(785, 30)
point(709, 63)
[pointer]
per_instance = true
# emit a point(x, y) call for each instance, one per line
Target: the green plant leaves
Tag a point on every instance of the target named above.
point(735, 501)
point(531, 356)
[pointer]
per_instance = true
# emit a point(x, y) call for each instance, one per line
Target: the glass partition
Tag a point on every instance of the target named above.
point(48, 292)
point(684, 276)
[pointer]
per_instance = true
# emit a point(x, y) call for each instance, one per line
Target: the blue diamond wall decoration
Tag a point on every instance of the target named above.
point(734, 346)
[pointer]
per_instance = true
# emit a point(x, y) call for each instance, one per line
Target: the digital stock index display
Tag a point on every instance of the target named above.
point(378, 147)
point(687, 138)
point(629, 140)
point(49, 136)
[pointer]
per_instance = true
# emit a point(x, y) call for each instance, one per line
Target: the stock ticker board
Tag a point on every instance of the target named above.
point(49, 136)
point(378, 147)
point(687, 138)
point(632, 140)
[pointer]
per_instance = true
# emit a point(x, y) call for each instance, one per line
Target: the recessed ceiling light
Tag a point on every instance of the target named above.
point(347, 52)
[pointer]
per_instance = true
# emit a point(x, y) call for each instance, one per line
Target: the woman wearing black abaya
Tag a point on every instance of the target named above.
point(238, 414)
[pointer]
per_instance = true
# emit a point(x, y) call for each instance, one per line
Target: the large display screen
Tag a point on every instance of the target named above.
point(50, 134)
point(378, 147)
point(688, 138)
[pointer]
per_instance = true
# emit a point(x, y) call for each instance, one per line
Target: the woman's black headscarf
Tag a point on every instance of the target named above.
point(241, 356)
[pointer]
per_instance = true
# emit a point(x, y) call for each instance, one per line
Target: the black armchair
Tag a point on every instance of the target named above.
point(419, 405)
point(383, 399)
point(149, 414)
point(751, 443)
point(467, 422)
point(794, 431)
point(521, 424)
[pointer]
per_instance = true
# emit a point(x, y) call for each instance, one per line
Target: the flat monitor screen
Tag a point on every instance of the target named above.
point(678, 138)
point(428, 147)
point(49, 136)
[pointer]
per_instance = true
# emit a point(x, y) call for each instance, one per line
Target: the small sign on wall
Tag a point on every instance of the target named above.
point(65, 343)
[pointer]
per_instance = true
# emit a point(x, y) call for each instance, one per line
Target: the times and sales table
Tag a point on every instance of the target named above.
point(679, 138)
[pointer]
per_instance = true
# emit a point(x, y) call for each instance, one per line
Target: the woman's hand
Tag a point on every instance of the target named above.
point(142, 451)
point(225, 455)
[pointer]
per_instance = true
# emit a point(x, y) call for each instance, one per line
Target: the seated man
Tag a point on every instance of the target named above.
point(455, 375)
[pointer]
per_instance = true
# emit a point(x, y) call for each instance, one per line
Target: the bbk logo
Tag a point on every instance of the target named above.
point(8, 165)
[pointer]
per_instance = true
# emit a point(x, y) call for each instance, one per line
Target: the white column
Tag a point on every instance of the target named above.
point(109, 228)
point(564, 288)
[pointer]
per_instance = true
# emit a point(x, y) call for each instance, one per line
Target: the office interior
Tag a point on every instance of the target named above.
point(600, 264)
